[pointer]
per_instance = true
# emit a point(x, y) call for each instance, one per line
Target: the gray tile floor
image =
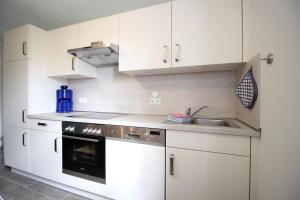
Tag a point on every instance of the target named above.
point(16, 187)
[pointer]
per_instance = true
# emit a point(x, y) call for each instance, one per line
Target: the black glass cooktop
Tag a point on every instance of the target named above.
point(98, 115)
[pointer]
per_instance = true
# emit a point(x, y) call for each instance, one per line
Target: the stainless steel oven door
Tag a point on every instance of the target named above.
point(84, 157)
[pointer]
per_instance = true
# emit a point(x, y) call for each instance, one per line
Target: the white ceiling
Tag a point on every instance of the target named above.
point(50, 14)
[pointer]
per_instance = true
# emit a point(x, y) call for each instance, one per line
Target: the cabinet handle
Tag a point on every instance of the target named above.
point(55, 145)
point(42, 124)
point(23, 116)
point(165, 48)
point(172, 164)
point(177, 46)
point(23, 139)
point(73, 64)
point(24, 48)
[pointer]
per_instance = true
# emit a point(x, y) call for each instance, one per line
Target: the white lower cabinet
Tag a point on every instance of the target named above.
point(45, 154)
point(203, 166)
point(16, 144)
point(199, 175)
point(135, 171)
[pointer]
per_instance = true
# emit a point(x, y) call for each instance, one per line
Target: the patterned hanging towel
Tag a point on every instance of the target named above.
point(247, 90)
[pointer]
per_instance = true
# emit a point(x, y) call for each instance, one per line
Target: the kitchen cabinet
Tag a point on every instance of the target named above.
point(16, 44)
point(202, 166)
point(16, 152)
point(135, 171)
point(180, 36)
point(199, 175)
point(104, 29)
point(15, 95)
point(61, 64)
point(26, 90)
point(145, 38)
point(206, 32)
point(20, 78)
point(45, 147)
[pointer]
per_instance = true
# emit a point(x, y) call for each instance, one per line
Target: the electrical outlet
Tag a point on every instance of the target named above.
point(156, 100)
point(82, 100)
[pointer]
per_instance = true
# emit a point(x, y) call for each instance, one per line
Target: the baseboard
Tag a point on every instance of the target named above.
point(61, 186)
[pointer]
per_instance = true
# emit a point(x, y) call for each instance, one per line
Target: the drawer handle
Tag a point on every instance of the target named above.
point(177, 46)
point(165, 53)
point(23, 116)
point(55, 145)
point(42, 124)
point(73, 64)
point(24, 48)
point(23, 139)
point(172, 164)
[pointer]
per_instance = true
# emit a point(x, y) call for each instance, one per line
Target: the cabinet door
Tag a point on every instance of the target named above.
point(16, 148)
point(206, 32)
point(103, 29)
point(59, 41)
point(201, 175)
point(145, 38)
point(16, 44)
point(15, 89)
point(45, 148)
point(135, 171)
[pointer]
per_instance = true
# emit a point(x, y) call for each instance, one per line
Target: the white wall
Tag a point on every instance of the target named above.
point(274, 27)
point(116, 92)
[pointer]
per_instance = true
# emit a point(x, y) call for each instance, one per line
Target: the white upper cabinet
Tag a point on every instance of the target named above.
point(61, 64)
point(16, 44)
point(201, 33)
point(145, 38)
point(206, 32)
point(103, 29)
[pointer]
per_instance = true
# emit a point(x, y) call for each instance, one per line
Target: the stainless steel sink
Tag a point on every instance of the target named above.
point(214, 122)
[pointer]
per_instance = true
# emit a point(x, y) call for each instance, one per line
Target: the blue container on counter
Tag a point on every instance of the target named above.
point(64, 99)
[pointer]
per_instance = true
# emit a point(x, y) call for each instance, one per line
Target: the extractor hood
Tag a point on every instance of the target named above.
point(98, 54)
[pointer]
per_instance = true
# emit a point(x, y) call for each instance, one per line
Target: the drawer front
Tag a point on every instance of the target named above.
point(230, 144)
point(46, 125)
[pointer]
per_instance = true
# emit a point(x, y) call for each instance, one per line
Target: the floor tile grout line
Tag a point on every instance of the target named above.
point(26, 187)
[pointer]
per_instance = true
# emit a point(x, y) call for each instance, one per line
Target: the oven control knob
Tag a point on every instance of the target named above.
point(98, 131)
point(89, 131)
point(67, 129)
point(94, 131)
point(72, 129)
point(85, 130)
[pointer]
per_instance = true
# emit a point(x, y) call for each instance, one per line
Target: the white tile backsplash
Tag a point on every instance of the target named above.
point(116, 92)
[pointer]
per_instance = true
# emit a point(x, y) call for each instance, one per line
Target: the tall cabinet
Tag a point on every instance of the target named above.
point(24, 66)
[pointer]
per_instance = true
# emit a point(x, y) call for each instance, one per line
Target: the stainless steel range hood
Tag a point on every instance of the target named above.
point(98, 54)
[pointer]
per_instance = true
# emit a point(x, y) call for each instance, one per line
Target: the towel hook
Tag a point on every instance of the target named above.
point(269, 58)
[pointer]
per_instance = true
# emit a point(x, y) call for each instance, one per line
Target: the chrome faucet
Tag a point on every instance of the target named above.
point(189, 111)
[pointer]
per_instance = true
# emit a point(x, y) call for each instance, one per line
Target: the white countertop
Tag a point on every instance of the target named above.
point(151, 121)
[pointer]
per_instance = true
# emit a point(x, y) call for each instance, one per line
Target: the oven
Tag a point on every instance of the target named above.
point(84, 150)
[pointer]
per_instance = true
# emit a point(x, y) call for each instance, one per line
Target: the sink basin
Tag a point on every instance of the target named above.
point(214, 122)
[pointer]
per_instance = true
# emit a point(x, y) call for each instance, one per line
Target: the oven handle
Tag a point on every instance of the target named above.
point(80, 138)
